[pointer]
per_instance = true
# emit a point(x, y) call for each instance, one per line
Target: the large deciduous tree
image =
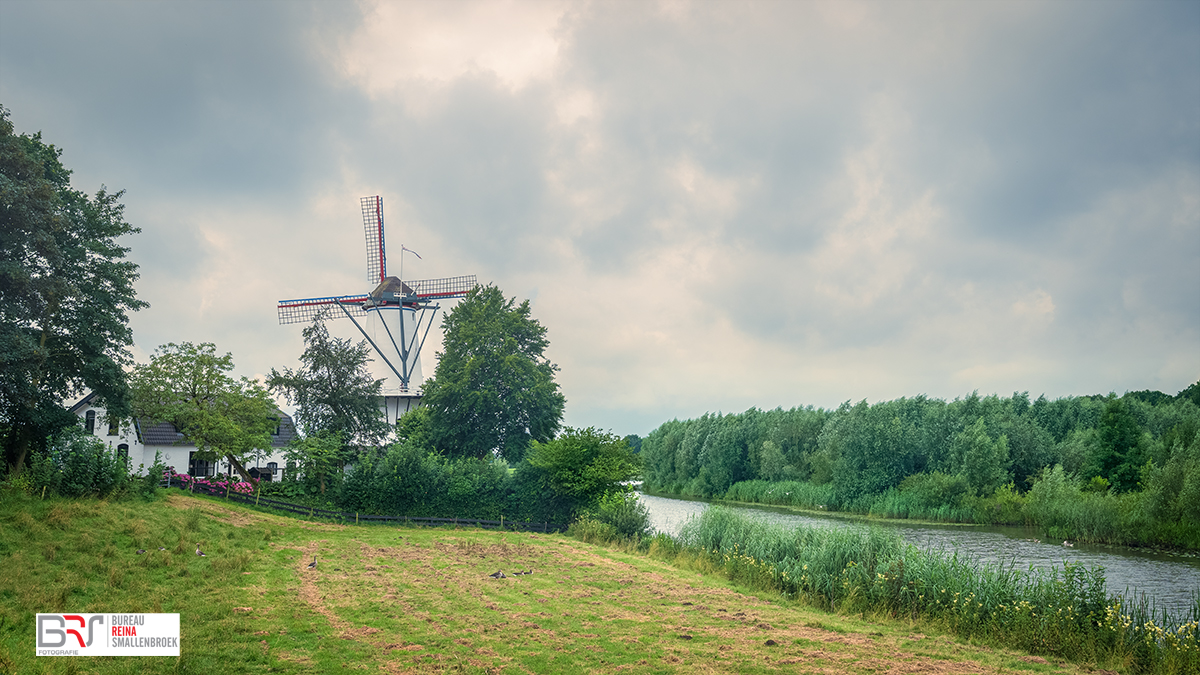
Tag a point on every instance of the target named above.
point(189, 386)
point(333, 390)
point(493, 390)
point(65, 291)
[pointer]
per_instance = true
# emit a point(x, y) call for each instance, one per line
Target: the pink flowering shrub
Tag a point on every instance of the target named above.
point(217, 483)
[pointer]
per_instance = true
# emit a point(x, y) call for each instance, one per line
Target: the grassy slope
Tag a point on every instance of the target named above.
point(416, 600)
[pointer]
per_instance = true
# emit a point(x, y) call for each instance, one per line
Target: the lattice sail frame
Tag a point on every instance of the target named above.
point(372, 212)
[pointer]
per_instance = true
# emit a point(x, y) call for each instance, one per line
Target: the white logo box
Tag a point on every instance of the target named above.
point(107, 634)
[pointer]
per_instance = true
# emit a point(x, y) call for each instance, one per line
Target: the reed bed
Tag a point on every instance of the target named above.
point(1062, 612)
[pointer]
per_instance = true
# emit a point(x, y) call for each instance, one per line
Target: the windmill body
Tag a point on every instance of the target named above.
point(395, 317)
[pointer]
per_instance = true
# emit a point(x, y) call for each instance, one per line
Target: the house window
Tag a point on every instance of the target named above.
point(89, 421)
point(200, 467)
point(275, 431)
point(113, 428)
point(123, 451)
point(273, 466)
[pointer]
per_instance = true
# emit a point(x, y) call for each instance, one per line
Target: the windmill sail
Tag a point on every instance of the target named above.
point(304, 310)
point(372, 211)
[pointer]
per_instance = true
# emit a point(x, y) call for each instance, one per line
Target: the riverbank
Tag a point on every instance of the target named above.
point(818, 512)
point(1056, 509)
point(421, 600)
point(1062, 610)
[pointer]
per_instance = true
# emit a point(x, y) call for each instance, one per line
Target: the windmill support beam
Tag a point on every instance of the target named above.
point(400, 349)
point(428, 325)
point(377, 349)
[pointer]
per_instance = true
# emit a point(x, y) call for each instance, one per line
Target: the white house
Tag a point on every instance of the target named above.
point(140, 440)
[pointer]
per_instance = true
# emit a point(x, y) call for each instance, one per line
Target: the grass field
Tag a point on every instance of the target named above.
point(397, 600)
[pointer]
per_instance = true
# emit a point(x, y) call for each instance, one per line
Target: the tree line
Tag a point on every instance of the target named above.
point(1062, 464)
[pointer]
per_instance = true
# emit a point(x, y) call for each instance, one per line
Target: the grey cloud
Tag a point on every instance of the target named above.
point(203, 97)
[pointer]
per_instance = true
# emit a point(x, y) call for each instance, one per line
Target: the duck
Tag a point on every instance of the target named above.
point(141, 551)
point(313, 565)
point(199, 552)
point(498, 574)
point(1068, 544)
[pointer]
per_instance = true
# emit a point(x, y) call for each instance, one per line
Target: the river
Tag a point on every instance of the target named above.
point(1168, 579)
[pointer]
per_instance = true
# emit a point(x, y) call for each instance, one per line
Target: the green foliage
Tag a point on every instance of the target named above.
point(65, 291)
point(627, 515)
point(974, 459)
point(1063, 612)
point(333, 390)
point(591, 530)
point(934, 489)
point(981, 459)
point(410, 480)
point(783, 493)
point(316, 458)
point(877, 446)
point(584, 465)
point(188, 386)
point(414, 428)
point(85, 467)
point(1119, 455)
point(493, 391)
point(148, 485)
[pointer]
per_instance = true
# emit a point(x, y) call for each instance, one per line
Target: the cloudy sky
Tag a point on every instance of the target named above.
point(710, 205)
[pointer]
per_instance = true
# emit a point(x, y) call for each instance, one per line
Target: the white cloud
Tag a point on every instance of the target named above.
point(409, 48)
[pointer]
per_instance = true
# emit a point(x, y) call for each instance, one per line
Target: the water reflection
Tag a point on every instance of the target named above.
point(1168, 579)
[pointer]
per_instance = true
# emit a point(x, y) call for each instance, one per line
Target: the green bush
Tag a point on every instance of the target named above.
point(626, 513)
point(85, 466)
point(592, 531)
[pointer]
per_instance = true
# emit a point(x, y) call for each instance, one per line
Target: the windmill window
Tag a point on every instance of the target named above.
point(89, 421)
point(113, 427)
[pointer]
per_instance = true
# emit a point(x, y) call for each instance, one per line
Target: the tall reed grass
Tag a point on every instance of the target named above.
point(1063, 612)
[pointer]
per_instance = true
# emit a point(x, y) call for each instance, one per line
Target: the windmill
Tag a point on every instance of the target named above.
point(395, 318)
